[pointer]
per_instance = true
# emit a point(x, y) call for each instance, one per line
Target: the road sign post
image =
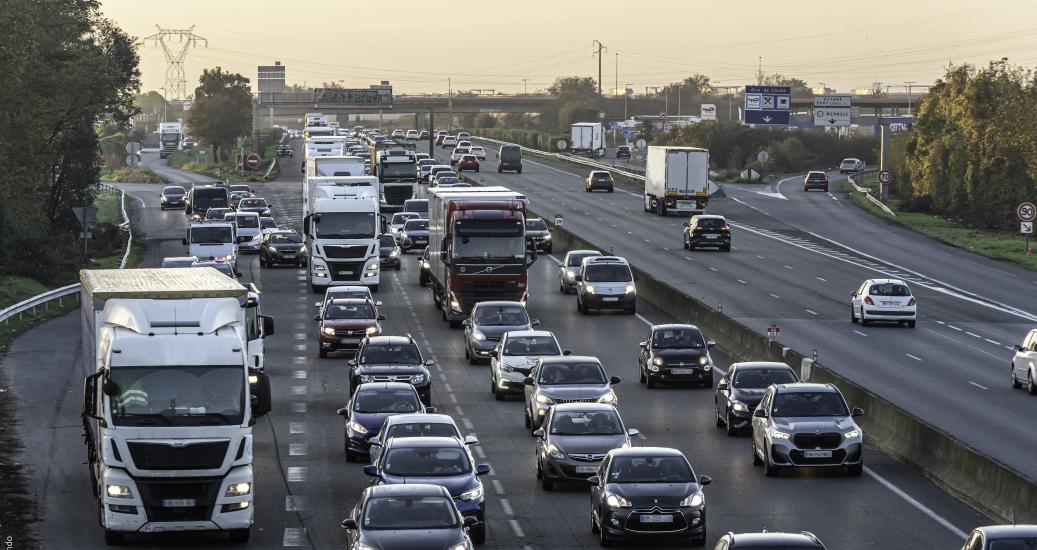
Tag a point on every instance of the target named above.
point(558, 219)
point(885, 178)
point(85, 214)
point(1026, 212)
point(252, 161)
point(768, 105)
point(773, 331)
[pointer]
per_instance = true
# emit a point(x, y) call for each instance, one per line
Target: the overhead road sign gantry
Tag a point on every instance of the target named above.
point(768, 105)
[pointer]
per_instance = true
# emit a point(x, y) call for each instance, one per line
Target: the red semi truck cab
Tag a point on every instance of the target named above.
point(477, 242)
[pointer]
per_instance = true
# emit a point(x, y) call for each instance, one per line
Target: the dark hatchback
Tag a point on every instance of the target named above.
point(173, 196)
point(623, 152)
point(414, 234)
point(707, 230)
point(488, 322)
point(741, 388)
point(389, 251)
point(391, 359)
point(412, 516)
point(675, 354)
point(282, 247)
point(648, 492)
point(366, 412)
point(424, 268)
point(538, 235)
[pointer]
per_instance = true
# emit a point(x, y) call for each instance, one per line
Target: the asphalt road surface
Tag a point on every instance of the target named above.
point(304, 486)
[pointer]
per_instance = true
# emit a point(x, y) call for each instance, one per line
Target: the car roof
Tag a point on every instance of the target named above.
point(671, 326)
point(995, 532)
point(426, 441)
point(761, 365)
point(885, 281)
point(647, 451)
point(518, 333)
point(709, 217)
point(768, 539)
point(407, 490)
point(427, 418)
point(344, 288)
point(584, 407)
point(605, 260)
point(388, 340)
point(569, 359)
point(806, 387)
point(376, 386)
point(498, 303)
point(591, 252)
point(181, 187)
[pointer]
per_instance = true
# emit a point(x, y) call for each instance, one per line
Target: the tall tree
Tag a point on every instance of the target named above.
point(221, 111)
point(574, 97)
point(799, 87)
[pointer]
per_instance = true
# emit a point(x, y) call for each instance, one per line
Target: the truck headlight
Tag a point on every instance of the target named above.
point(239, 489)
point(328, 331)
point(372, 266)
point(474, 494)
point(357, 428)
point(119, 491)
point(694, 499)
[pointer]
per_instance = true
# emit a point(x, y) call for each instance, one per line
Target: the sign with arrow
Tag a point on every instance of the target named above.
point(832, 116)
point(768, 105)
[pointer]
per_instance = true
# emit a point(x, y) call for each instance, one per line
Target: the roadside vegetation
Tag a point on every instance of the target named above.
point(131, 175)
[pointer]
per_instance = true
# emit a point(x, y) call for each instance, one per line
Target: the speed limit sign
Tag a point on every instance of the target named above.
point(885, 176)
point(1026, 212)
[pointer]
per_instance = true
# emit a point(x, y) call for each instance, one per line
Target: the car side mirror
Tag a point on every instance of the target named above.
point(528, 381)
point(316, 317)
point(349, 524)
point(722, 386)
point(579, 277)
point(593, 480)
point(535, 323)
point(260, 394)
point(538, 433)
point(430, 410)
point(351, 362)
point(344, 411)
point(760, 413)
point(408, 242)
point(710, 344)
point(471, 440)
point(378, 303)
point(685, 224)
point(381, 317)
point(466, 323)
point(857, 411)
point(567, 352)
point(316, 304)
point(184, 241)
point(429, 362)
point(469, 521)
point(371, 470)
point(1017, 347)
point(482, 469)
point(642, 345)
point(705, 480)
point(494, 354)
point(633, 432)
point(614, 380)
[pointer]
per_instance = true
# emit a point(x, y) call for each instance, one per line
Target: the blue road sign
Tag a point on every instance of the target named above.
point(768, 105)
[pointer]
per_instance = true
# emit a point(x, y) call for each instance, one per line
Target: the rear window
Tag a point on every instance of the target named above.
point(711, 223)
point(889, 289)
point(603, 176)
point(816, 176)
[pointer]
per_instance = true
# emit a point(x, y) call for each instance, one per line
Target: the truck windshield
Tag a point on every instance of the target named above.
point(489, 239)
point(204, 199)
point(399, 170)
point(211, 235)
point(346, 225)
point(178, 396)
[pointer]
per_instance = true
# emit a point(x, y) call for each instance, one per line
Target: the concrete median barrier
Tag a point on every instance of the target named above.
point(982, 482)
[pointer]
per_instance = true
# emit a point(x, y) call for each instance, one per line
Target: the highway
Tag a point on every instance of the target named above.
point(305, 487)
point(795, 262)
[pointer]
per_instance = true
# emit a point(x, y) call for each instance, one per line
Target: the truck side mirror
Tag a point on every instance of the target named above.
point(184, 241)
point(306, 226)
point(260, 388)
point(90, 397)
point(268, 325)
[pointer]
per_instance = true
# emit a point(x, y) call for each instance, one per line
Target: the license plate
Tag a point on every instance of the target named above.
point(611, 299)
point(685, 204)
point(817, 454)
point(288, 256)
point(349, 341)
point(712, 236)
point(178, 503)
point(586, 469)
point(889, 303)
point(661, 518)
point(681, 371)
point(345, 272)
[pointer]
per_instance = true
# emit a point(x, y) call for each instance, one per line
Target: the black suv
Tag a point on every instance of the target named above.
point(538, 235)
point(676, 353)
point(391, 359)
point(623, 152)
point(816, 180)
point(600, 179)
point(707, 230)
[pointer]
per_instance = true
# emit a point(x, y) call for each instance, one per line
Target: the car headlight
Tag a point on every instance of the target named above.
point(547, 237)
point(365, 378)
point(852, 434)
point(545, 400)
point(417, 379)
point(239, 489)
point(372, 266)
point(658, 361)
point(630, 289)
point(372, 330)
point(403, 235)
point(570, 274)
point(609, 397)
point(365, 547)
point(777, 434)
point(474, 494)
point(694, 499)
point(555, 453)
point(119, 491)
point(459, 546)
point(589, 289)
point(256, 238)
point(703, 360)
point(424, 264)
point(394, 253)
point(739, 406)
point(302, 249)
point(328, 331)
point(478, 335)
point(357, 428)
point(616, 501)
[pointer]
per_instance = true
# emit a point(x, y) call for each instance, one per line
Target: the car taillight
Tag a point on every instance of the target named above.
point(867, 300)
point(911, 302)
point(696, 230)
point(725, 228)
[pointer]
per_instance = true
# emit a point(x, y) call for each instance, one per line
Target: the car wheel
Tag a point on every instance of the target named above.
point(374, 288)
point(716, 414)
point(1031, 388)
point(632, 310)
point(1015, 381)
point(594, 526)
point(323, 354)
point(351, 456)
point(478, 533)
point(756, 457)
point(472, 359)
point(611, 189)
point(497, 394)
point(603, 538)
point(398, 266)
point(853, 316)
point(114, 538)
point(769, 469)
point(547, 484)
point(864, 320)
point(725, 248)
point(239, 536)
point(708, 383)
point(911, 324)
point(526, 420)
point(686, 245)
point(317, 289)
point(467, 353)
point(641, 372)
point(856, 470)
point(730, 425)
point(500, 171)
point(650, 384)
point(519, 171)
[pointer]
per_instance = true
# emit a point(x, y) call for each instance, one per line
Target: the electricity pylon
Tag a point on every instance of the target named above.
point(176, 82)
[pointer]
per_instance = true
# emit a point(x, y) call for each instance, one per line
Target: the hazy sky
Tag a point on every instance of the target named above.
point(418, 45)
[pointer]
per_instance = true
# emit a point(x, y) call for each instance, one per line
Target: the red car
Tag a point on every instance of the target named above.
point(343, 323)
point(468, 162)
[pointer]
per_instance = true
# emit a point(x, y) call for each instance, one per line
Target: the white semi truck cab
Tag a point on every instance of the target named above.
point(169, 401)
point(341, 232)
point(170, 137)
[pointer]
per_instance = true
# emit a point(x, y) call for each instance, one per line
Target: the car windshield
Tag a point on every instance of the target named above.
point(406, 513)
point(793, 404)
point(247, 222)
point(204, 234)
point(1019, 543)
point(763, 378)
point(349, 311)
point(427, 462)
point(536, 225)
point(586, 423)
point(400, 217)
point(416, 225)
point(252, 203)
point(711, 223)
point(607, 273)
point(216, 213)
point(390, 354)
point(889, 289)
point(531, 345)
point(421, 429)
point(284, 238)
point(178, 395)
point(386, 401)
point(387, 241)
point(553, 374)
point(501, 316)
point(650, 469)
point(170, 191)
point(268, 223)
point(575, 259)
point(677, 338)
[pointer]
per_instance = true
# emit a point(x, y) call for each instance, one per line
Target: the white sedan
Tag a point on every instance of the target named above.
point(884, 300)
point(479, 152)
point(457, 153)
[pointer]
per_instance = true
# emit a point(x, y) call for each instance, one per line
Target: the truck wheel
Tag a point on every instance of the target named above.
point(114, 538)
point(660, 207)
point(240, 536)
point(317, 289)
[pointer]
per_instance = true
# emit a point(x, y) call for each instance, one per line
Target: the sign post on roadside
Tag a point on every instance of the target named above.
point(885, 178)
point(1026, 212)
point(252, 161)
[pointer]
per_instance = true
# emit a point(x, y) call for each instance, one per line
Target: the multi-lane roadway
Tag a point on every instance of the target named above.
point(305, 487)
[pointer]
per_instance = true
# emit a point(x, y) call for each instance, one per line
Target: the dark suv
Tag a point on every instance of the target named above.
point(623, 152)
point(391, 359)
point(741, 388)
point(707, 230)
point(538, 235)
point(600, 179)
point(815, 180)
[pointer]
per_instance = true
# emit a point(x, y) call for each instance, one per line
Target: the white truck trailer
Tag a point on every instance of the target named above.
point(169, 400)
point(676, 180)
point(587, 139)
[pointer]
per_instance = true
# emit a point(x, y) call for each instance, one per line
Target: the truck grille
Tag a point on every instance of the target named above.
point(346, 271)
point(354, 251)
point(159, 496)
point(818, 441)
point(207, 455)
point(473, 292)
point(395, 195)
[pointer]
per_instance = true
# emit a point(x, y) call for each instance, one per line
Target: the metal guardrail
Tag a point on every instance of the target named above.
point(570, 158)
point(867, 192)
point(43, 300)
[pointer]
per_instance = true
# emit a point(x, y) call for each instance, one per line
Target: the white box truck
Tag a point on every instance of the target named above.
point(587, 139)
point(676, 180)
point(169, 400)
point(338, 165)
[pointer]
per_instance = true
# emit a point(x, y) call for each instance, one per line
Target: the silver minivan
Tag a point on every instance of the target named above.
point(606, 282)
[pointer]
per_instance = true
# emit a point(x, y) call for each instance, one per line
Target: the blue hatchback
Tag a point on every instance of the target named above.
point(443, 461)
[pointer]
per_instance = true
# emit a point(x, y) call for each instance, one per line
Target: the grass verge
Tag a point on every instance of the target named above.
point(131, 175)
point(998, 245)
point(197, 161)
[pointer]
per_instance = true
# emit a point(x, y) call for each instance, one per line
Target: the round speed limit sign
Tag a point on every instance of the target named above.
point(1026, 212)
point(885, 176)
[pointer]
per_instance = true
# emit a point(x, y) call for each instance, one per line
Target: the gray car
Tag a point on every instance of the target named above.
point(565, 379)
point(574, 440)
point(606, 282)
point(487, 322)
point(513, 359)
point(414, 234)
point(538, 235)
point(571, 269)
point(1006, 537)
point(805, 425)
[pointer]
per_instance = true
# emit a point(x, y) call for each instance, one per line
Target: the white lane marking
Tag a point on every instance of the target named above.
point(296, 427)
point(467, 423)
point(479, 452)
point(297, 473)
point(980, 386)
point(296, 449)
point(298, 390)
point(556, 260)
point(913, 357)
point(822, 280)
point(666, 249)
point(506, 506)
point(497, 487)
point(811, 312)
point(973, 334)
point(688, 258)
point(643, 319)
point(299, 347)
point(861, 333)
point(292, 536)
point(953, 327)
point(712, 269)
point(921, 507)
point(516, 528)
point(995, 342)
point(553, 168)
point(300, 360)
point(788, 267)
point(940, 323)
point(452, 397)
point(299, 408)
point(299, 374)
point(448, 388)
point(964, 344)
point(758, 256)
point(743, 282)
point(775, 296)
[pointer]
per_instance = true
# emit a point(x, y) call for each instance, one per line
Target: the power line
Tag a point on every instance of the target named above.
point(176, 83)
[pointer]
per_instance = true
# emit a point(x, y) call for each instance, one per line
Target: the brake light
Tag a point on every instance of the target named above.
point(725, 228)
point(696, 229)
point(867, 300)
point(911, 302)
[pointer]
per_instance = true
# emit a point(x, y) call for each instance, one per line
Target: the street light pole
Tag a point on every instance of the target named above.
point(626, 94)
point(909, 83)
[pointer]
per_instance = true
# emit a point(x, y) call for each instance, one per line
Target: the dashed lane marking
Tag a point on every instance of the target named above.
point(292, 536)
point(913, 357)
point(980, 386)
point(859, 332)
